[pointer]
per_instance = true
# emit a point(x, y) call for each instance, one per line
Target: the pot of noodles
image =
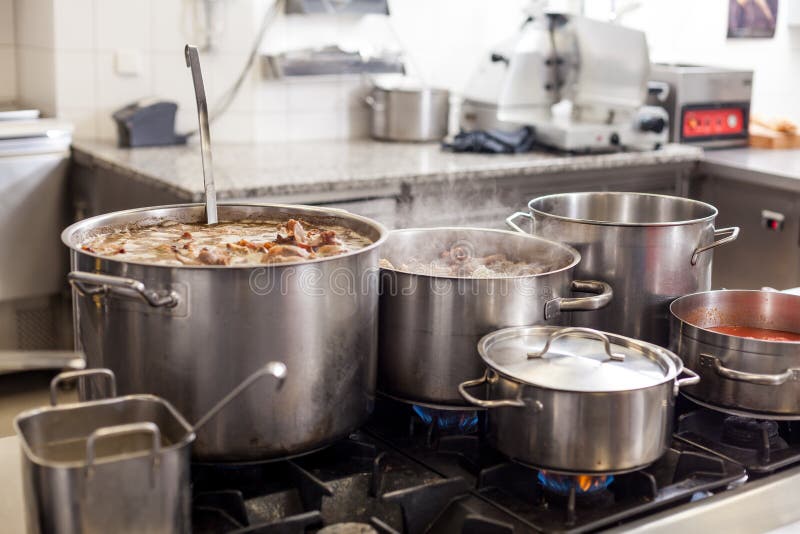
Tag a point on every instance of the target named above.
point(185, 311)
point(745, 345)
point(442, 289)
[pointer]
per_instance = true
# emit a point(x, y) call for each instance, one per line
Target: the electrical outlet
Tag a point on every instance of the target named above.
point(128, 62)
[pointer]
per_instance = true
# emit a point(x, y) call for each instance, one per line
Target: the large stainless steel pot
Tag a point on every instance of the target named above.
point(761, 378)
point(403, 112)
point(650, 248)
point(576, 400)
point(429, 325)
point(189, 334)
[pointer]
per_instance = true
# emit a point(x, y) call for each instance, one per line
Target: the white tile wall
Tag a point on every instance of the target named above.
point(64, 55)
point(8, 63)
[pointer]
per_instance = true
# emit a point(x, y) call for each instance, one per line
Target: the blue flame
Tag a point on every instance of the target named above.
point(465, 421)
point(563, 484)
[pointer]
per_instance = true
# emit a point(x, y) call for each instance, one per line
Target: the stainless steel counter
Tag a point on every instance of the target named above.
point(778, 169)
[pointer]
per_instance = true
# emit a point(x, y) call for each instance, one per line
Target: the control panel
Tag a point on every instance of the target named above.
point(718, 122)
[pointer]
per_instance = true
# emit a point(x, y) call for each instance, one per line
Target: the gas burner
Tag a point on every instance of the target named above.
point(348, 528)
point(761, 446)
point(750, 433)
point(450, 421)
point(580, 484)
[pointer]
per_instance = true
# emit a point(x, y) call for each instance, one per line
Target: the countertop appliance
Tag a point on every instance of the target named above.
point(707, 106)
point(34, 155)
point(581, 83)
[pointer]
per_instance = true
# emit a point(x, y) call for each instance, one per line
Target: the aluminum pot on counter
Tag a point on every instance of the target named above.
point(650, 248)
point(754, 377)
point(190, 333)
point(576, 400)
point(431, 321)
point(403, 110)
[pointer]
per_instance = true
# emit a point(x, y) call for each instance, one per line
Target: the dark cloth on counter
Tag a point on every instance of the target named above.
point(493, 141)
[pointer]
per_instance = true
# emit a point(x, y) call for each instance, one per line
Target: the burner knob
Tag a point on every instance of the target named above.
point(652, 124)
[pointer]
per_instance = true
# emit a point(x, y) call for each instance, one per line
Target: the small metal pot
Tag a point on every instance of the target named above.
point(576, 400)
point(429, 325)
point(119, 464)
point(408, 113)
point(650, 248)
point(751, 377)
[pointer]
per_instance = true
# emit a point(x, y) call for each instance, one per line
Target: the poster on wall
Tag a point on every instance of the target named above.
point(752, 19)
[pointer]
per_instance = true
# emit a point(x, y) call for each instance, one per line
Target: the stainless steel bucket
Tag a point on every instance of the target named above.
point(408, 114)
point(189, 334)
point(119, 465)
point(650, 248)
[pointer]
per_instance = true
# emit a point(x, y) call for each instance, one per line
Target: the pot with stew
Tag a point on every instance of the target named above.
point(185, 311)
point(745, 345)
point(442, 289)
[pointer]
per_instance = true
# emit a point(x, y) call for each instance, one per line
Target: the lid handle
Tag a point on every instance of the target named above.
point(585, 333)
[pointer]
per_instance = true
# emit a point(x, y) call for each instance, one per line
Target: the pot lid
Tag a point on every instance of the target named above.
point(577, 359)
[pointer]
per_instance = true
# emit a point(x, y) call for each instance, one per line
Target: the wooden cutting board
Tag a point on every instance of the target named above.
point(761, 137)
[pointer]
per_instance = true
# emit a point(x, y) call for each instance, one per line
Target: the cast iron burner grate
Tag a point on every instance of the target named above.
point(517, 500)
point(761, 446)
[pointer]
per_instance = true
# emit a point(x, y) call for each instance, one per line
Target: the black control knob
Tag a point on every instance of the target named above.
point(614, 139)
point(652, 124)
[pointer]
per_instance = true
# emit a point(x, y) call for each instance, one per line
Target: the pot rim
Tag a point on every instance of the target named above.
point(709, 218)
point(187, 440)
point(674, 363)
point(576, 256)
point(747, 344)
point(67, 233)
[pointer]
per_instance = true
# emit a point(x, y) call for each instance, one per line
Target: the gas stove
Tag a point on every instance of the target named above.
point(418, 469)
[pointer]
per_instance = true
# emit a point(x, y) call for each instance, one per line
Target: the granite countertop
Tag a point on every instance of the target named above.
point(256, 170)
point(774, 168)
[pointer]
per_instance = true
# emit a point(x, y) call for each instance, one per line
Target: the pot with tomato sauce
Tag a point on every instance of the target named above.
point(745, 345)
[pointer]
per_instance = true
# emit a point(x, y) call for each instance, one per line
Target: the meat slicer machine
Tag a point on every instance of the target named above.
point(581, 83)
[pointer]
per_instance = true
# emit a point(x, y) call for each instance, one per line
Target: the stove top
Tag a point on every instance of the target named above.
point(414, 470)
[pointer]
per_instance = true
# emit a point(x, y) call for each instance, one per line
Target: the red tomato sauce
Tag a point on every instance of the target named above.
point(756, 333)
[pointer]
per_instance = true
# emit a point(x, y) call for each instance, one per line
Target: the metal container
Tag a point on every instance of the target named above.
point(753, 377)
point(115, 465)
point(576, 400)
point(402, 112)
point(650, 248)
point(429, 325)
point(189, 334)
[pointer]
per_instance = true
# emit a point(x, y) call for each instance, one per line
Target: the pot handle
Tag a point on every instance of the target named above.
point(511, 220)
point(602, 291)
point(576, 331)
point(70, 376)
point(88, 284)
point(691, 380)
point(734, 233)
point(144, 427)
point(751, 378)
point(462, 389)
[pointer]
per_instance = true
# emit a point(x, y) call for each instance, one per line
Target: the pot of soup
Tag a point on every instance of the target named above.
point(442, 289)
point(185, 311)
point(745, 345)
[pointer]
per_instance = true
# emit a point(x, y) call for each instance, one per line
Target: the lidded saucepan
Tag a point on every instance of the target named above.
point(577, 400)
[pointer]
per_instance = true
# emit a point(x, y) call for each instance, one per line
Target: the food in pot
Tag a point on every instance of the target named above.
point(764, 334)
point(457, 261)
point(247, 242)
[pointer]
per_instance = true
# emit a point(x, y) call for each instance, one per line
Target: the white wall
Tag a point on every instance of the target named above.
point(694, 31)
point(8, 64)
point(66, 51)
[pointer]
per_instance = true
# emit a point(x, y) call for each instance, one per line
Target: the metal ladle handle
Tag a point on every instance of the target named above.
point(585, 333)
point(193, 62)
point(276, 370)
